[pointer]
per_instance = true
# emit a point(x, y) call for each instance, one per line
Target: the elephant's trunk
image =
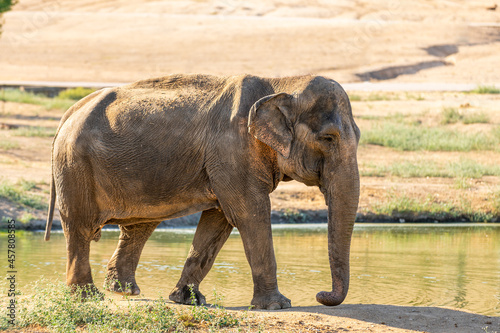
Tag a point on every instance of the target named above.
point(341, 189)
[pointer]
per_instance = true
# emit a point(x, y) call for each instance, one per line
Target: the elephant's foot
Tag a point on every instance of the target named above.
point(273, 301)
point(187, 295)
point(87, 292)
point(122, 286)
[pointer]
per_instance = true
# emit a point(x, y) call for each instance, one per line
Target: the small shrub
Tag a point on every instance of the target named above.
point(293, 217)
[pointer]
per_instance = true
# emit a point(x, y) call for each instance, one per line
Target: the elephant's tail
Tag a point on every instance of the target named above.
point(50, 216)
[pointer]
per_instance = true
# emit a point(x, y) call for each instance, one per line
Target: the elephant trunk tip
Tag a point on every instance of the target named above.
point(329, 298)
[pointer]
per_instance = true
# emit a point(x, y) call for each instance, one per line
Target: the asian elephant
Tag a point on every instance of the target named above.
point(161, 148)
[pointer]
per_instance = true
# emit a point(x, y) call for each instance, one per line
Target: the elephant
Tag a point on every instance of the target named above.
point(162, 148)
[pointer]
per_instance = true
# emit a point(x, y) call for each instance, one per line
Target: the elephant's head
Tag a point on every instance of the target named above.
point(316, 138)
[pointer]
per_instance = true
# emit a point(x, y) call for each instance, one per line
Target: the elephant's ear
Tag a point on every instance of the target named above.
point(267, 122)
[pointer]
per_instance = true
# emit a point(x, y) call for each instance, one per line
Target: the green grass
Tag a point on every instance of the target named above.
point(75, 94)
point(450, 116)
point(453, 116)
point(373, 97)
point(52, 306)
point(465, 168)
point(62, 102)
point(27, 218)
point(27, 185)
point(486, 90)
point(418, 97)
point(7, 145)
point(17, 194)
point(415, 137)
point(476, 118)
point(35, 131)
point(401, 205)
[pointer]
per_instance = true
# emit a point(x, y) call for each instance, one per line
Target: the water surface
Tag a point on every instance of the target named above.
point(433, 265)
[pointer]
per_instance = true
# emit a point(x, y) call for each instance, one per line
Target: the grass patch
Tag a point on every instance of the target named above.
point(414, 137)
point(418, 97)
point(355, 98)
point(476, 118)
point(17, 195)
point(7, 145)
point(462, 184)
point(373, 97)
point(463, 169)
point(450, 116)
point(485, 90)
point(401, 205)
point(35, 131)
point(27, 185)
point(52, 306)
point(18, 96)
point(75, 94)
point(26, 218)
point(453, 116)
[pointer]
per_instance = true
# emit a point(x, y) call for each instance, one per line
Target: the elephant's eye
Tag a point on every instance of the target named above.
point(328, 138)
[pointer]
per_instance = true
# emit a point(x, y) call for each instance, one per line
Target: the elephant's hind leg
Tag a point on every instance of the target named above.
point(120, 277)
point(211, 234)
point(78, 272)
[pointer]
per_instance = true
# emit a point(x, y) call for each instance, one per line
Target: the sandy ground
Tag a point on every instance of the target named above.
point(124, 40)
point(393, 41)
point(360, 318)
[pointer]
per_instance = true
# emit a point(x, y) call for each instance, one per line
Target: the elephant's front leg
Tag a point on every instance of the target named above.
point(257, 239)
point(211, 234)
point(120, 277)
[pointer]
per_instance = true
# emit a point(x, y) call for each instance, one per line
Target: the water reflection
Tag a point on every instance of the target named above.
point(455, 266)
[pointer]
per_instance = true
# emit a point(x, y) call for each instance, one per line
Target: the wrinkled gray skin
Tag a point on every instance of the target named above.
point(168, 147)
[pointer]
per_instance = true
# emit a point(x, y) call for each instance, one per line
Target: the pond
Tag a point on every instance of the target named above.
point(421, 265)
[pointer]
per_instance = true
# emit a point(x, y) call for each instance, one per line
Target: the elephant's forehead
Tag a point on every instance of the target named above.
point(320, 110)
